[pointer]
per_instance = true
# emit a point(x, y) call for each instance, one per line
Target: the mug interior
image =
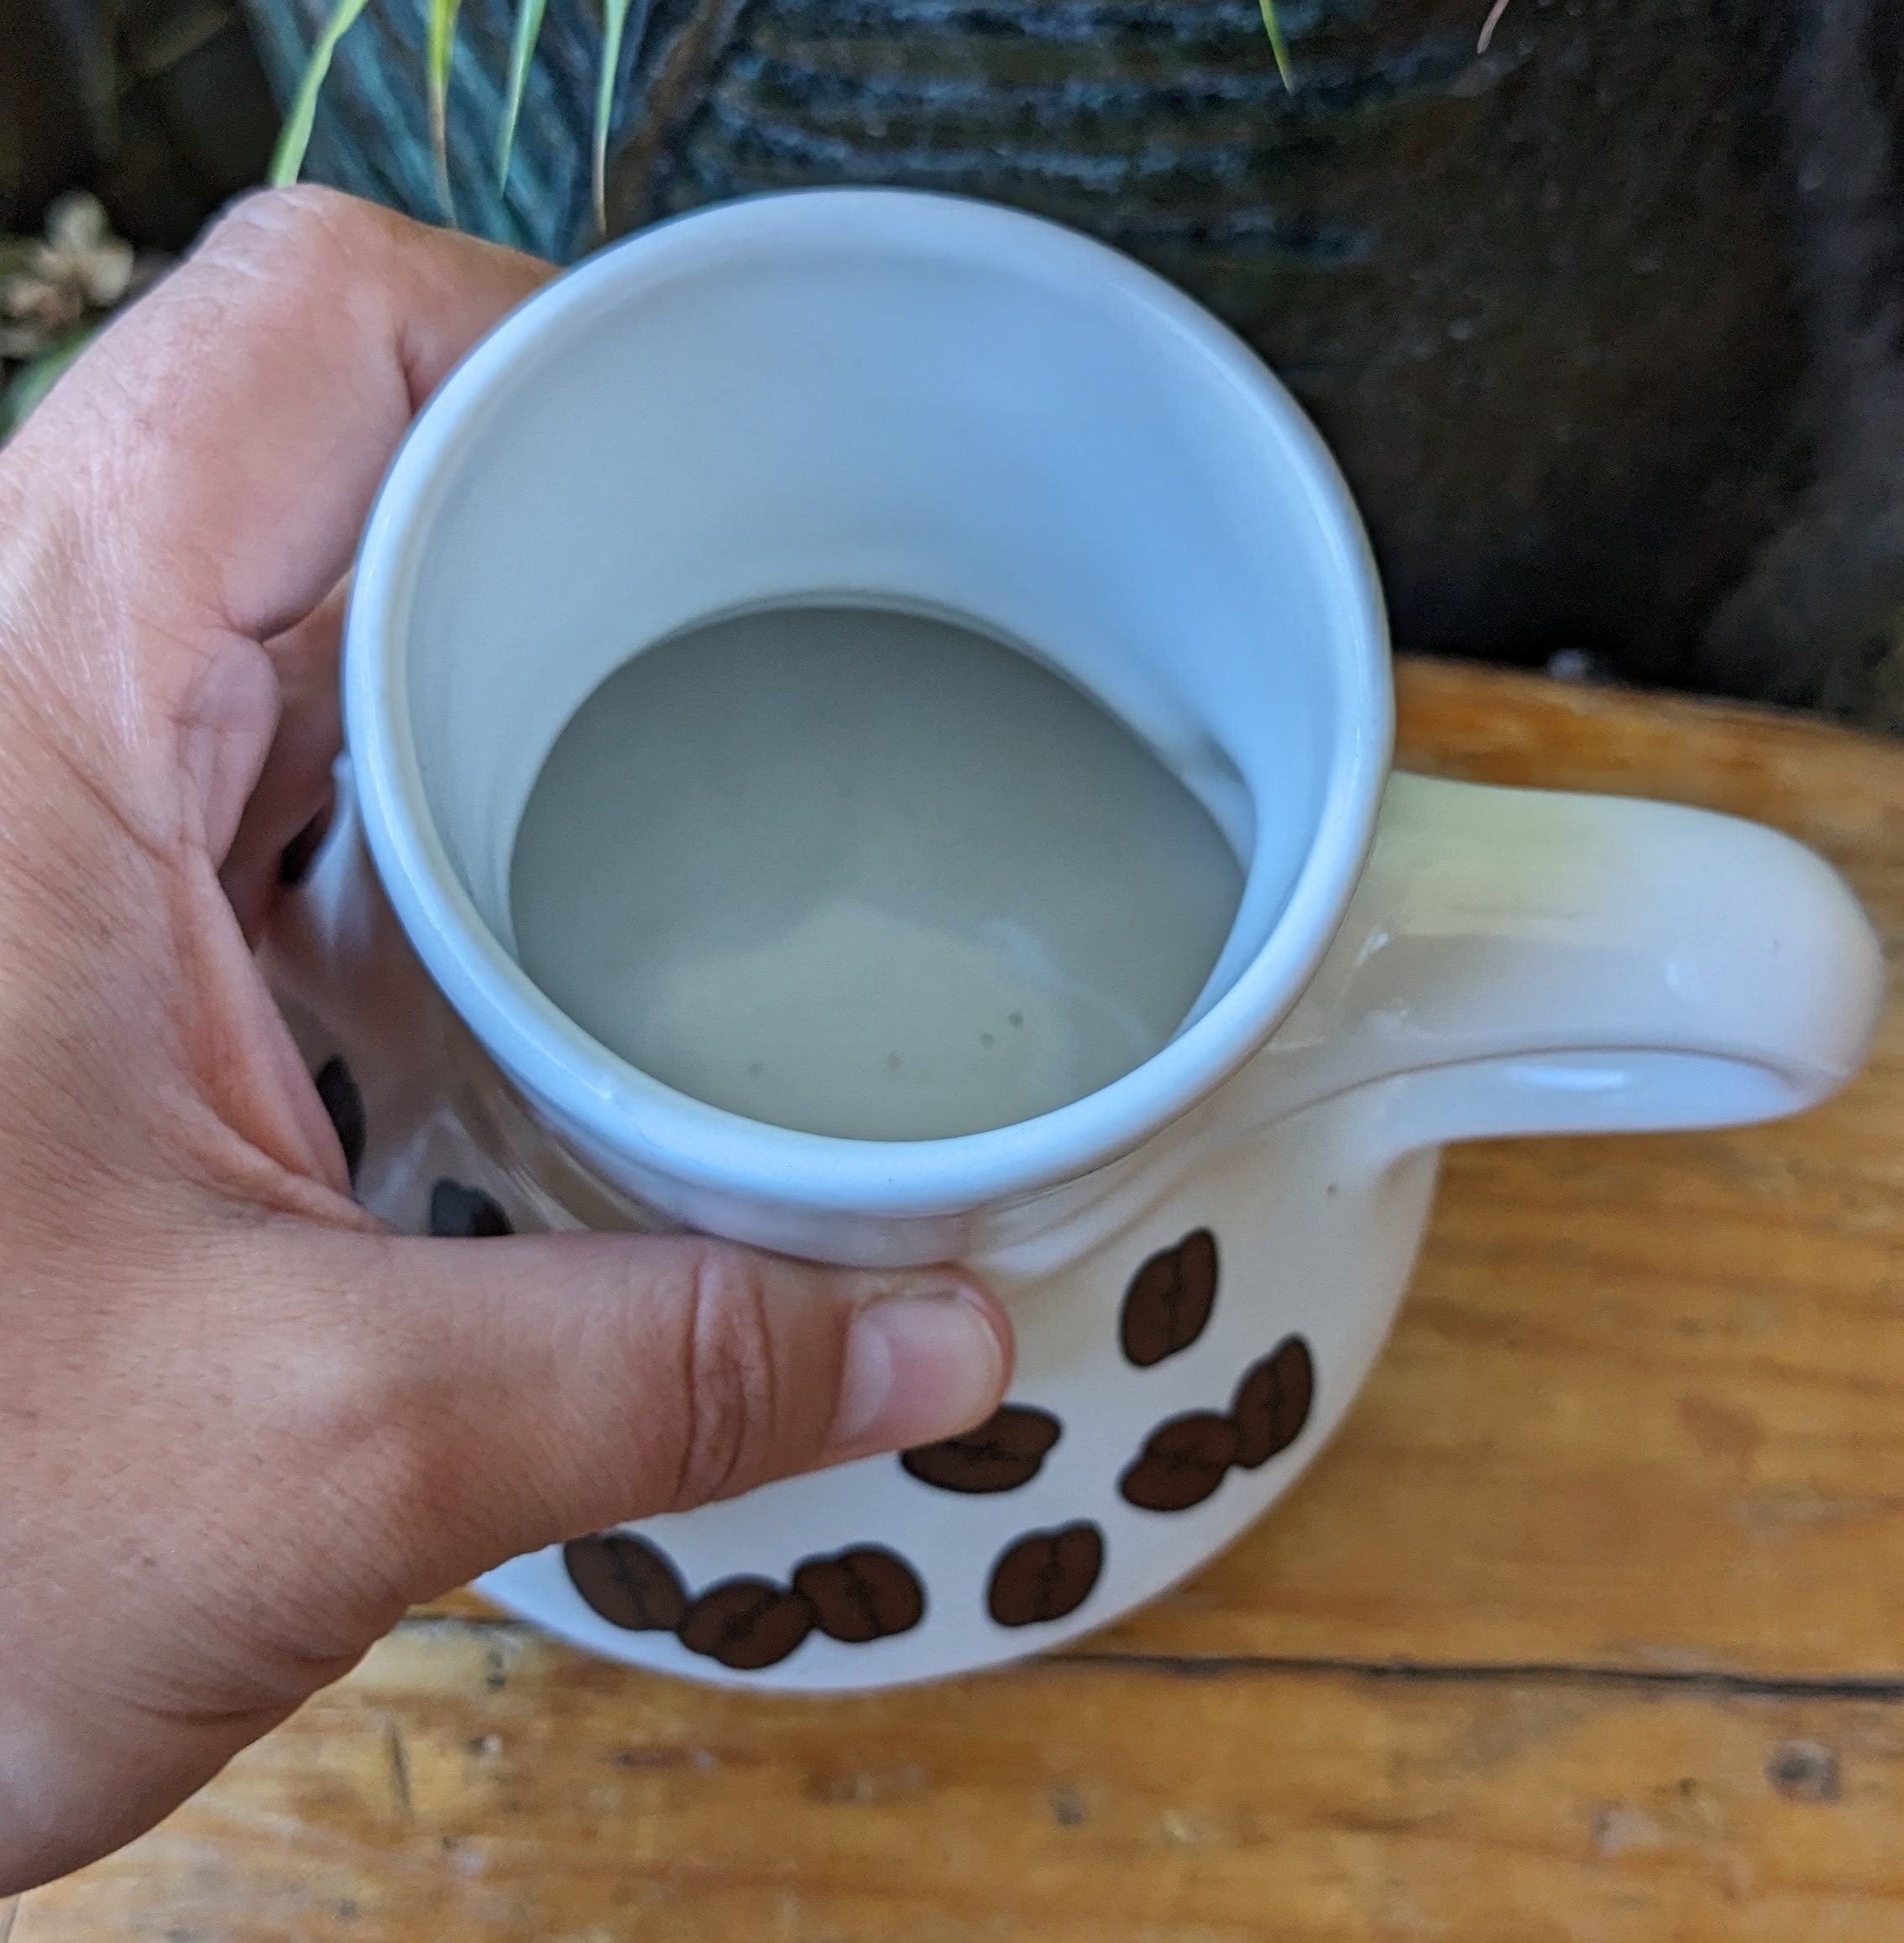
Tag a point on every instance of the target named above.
point(895, 399)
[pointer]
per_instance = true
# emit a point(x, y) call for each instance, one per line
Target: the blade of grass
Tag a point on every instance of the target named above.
point(295, 137)
point(615, 19)
point(521, 49)
point(1278, 45)
point(441, 48)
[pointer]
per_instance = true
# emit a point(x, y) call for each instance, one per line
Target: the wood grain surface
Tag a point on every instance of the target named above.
point(1589, 1626)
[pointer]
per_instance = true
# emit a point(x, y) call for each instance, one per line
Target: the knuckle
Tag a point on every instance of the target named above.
point(731, 1430)
point(351, 1410)
point(293, 245)
point(383, 1490)
point(339, 1410)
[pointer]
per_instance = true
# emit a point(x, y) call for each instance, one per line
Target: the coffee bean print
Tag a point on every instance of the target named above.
point(457, 1211)
point(1046, 1575)
point(1273, 1402)
point(746, 1623)
point(864, 1594)
point(627, 1581)
point(301, 853)
point(1182, 1462)
point(1168, 1305)
point(344, 1103)
point(1002, 1453)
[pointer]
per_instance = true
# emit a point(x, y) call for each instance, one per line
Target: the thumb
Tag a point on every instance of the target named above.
point(343, 1423)
point(547, 1386)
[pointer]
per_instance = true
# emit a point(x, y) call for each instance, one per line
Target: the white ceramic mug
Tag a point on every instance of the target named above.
point(886, 396)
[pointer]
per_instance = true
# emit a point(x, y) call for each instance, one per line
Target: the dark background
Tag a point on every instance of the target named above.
point(1604, 325)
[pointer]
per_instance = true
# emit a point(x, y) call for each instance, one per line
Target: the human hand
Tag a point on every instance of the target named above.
point(241, 1427)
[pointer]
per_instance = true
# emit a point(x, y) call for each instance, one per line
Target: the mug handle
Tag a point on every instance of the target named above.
point(1529, 961)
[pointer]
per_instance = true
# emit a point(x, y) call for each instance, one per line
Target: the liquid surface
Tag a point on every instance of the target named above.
point(865, 874)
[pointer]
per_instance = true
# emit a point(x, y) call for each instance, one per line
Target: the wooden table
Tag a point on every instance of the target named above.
point(1590, 1624)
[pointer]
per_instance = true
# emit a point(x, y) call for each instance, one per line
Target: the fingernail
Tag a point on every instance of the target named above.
point(921, 1364)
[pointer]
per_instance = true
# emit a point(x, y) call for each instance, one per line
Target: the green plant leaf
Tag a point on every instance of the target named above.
point(521, 49)
point(294, 137)
point(1278, 45)
point(614, 18)
point(442, 49)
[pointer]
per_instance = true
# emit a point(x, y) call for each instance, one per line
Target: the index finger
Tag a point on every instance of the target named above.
point(223, 446)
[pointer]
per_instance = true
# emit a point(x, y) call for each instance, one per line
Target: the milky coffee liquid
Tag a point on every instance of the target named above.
point(865, 874)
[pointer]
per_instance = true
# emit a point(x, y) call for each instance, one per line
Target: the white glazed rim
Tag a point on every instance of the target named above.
point(622, 1108)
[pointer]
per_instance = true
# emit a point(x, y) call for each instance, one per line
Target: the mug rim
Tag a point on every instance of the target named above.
point(582, 1085)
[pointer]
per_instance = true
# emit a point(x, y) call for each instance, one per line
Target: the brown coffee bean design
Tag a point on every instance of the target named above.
point(1168, 1305)
point(1273, 1402)
point(337, 1090)
point(627, 1581)
point(1046, 1575)
point(858, 1596)
point(457, 1211)
point(862, 1595)
point(746, 1623)
point(1003, 1453)
point(301, 853)
point(1182, 1462)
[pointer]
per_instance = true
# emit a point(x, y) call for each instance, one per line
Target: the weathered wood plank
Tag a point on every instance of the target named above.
point(477, 1782)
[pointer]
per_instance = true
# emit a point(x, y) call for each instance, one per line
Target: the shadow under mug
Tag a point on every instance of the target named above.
point(915, 400)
